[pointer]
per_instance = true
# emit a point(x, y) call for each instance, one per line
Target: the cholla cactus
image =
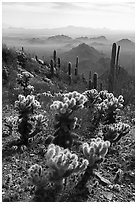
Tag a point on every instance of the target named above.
point(37, 176)
point(23, 79)
point(114, 132)
point(71, 101)
point(94, 153)
point(110, 106)
point(28, 125)
point(96, 150)
point(64, 121)
point(40, 121)
point(92, 97)
point(62, 163)
point(26, 105)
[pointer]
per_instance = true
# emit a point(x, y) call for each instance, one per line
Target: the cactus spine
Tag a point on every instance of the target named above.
point(69, 71)
point(76, 68)
point(95, 80)
point(52, 67)
point(55, 58)
point(112, 69)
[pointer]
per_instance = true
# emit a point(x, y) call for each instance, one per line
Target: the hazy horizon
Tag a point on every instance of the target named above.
point(112, 15)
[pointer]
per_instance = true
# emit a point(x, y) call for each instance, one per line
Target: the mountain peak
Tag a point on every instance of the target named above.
point(125, 42)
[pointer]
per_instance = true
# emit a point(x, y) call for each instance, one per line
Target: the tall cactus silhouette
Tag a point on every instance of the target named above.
point(100, 87)
point(90, 75)
point(52, 67)
point(117, 61)
point(55, 58)
point(112, 69)
point(95, 80)
point(69, 72)
point(76, 68)
point(90, 84)
point(59, 63)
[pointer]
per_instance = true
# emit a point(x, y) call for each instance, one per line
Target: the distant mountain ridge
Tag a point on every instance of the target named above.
point(89, 59)
point(59, 38)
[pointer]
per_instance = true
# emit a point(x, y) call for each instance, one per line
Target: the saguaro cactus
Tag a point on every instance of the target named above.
point(52, 67)
point(90, 85)
point(58, 62)
point(95, 78)
point(101, 87)
point(54, 57)
point(90, 75)
point(22, 49)
point(117, 61)
point(112, 69)
point(69, 71)
point(76, 68)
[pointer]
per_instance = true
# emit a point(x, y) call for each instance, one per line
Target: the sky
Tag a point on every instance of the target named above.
point(112, 14)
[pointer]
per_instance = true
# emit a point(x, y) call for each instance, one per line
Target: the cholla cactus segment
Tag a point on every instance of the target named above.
point(11, 121)
point(26, 104)
point(96, 150)
point(71, 101)
point(62, 162)
point(40, 120)
point(37, 175)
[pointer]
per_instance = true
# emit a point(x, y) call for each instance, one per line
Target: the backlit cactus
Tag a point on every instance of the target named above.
point(110, 106)
point(96, 150)
point(62, 163)
point(26, 105)
point(37, 176)
point(23, 79)
point(64, 121)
